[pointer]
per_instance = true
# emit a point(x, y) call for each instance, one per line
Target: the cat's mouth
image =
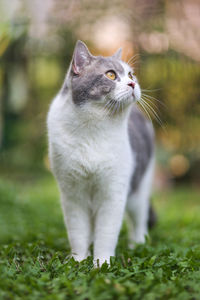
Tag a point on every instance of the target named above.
point(133, 95)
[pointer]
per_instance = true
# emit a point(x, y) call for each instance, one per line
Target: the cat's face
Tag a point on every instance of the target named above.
point(106, 82)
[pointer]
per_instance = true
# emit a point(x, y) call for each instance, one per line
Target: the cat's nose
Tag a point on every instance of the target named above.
point(132, 84)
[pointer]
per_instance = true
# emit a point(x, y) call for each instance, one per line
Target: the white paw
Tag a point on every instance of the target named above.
point(80, 257)
point(137, 239)
point(98, 262)
point(140, 239)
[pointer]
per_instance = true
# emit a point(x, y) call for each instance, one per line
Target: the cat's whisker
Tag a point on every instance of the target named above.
point(142, 104)
point(121, 98)
point(114, 109)
point(154, 99)
point(120, 101)
point(147, 100)
point(121, 93)
point(153, 112)
point(108, 104)
point(133, 57)
point(134, 66)
point(106, 108)
point(151, 97)
point(119, 106)
point(152, 103)
point(111, 107)
point(151, 90)
point(133, 62)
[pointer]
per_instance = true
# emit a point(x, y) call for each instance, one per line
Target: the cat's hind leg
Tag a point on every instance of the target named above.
point(138, 206)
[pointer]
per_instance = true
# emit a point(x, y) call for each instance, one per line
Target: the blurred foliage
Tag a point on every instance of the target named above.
point(30, 77)
point(177, 82)
point(32, 71)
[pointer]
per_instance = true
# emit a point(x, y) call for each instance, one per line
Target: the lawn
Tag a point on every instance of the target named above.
point(34, 261)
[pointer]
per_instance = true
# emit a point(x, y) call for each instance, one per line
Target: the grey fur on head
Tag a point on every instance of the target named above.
point(87, 74)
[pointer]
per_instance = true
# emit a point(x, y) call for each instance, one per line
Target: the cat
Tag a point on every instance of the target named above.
point(101, 150)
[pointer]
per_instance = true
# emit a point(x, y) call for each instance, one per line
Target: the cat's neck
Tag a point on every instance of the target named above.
point(98, 118)
point(88, 118)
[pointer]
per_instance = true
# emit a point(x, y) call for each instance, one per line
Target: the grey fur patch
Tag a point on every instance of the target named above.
point(109, 63)
point(142, 142)
point(152, 219)
point(91, 83)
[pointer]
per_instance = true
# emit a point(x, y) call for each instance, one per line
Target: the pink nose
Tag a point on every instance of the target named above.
point(132, 84)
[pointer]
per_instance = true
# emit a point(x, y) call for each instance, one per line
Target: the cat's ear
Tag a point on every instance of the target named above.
point(118, 54)
point(81, 57)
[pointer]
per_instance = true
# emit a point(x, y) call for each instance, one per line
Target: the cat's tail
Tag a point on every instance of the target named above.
point(152, 220)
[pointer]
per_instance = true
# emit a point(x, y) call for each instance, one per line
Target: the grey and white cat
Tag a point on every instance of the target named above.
point(101, 152)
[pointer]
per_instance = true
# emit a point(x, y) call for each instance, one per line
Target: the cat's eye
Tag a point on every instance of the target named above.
point(111, 75)
point(130, 75)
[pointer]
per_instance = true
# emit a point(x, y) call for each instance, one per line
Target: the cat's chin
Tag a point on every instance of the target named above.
point(130, 100)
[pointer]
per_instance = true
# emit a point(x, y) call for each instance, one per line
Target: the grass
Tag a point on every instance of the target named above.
point(34, 247)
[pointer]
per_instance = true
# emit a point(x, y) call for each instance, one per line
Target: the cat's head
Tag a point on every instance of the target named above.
point(103, 82)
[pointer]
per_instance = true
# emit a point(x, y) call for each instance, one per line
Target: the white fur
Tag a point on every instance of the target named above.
point(92, 161)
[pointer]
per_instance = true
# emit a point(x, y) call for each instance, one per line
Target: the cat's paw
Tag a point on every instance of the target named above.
point(100, 261)
point(137, 239)
point(75, 257)
point(141, 238)
point(79, 257)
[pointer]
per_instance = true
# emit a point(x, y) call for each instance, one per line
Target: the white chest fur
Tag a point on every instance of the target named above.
point(85, 147)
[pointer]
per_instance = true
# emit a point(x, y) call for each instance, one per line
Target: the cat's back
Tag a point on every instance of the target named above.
point(141, 137)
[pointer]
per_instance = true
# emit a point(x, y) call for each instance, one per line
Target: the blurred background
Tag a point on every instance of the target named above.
point(36, 44)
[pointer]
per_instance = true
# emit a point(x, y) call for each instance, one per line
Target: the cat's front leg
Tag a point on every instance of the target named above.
point(107, 227)
point(77, 219)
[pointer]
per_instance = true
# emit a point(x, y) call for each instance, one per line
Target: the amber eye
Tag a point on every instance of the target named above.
point(130, 75)
point(111, 75)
